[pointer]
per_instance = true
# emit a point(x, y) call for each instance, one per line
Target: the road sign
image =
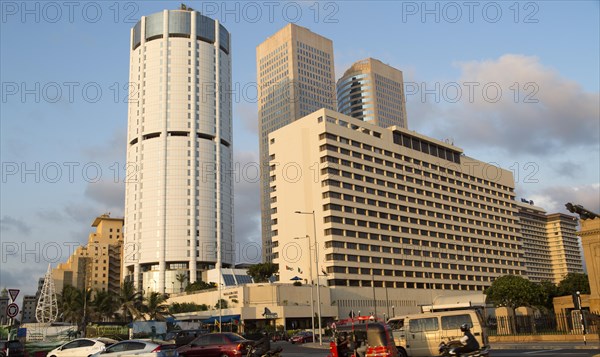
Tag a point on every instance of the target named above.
point(12, 310)
point(13, 293)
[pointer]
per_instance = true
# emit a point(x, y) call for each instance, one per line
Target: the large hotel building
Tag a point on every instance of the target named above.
point(179, 192)
point(550, 244)
point(392, 208)
point(98, 264)
point(295, 76)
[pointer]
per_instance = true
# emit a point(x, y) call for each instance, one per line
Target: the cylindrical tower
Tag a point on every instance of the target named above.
point(178, 191)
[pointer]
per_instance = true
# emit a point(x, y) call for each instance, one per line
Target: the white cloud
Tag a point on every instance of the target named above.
point(548, 114)
point(8, 223)
point(554, 198)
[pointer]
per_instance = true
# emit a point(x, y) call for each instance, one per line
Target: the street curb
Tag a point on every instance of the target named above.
point(505, 346)
point(526, 346)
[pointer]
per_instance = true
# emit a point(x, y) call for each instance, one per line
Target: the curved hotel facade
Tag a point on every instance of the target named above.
point(179, 192)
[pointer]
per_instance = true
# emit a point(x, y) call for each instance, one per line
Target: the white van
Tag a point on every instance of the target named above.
point(420, 334)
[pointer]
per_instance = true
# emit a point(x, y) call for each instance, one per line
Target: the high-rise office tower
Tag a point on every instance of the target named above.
point(295, 75)
point(179, 194)
point(374, 92)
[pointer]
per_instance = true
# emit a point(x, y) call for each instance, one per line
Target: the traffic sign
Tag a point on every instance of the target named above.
point(13, 293)
point(12, 310)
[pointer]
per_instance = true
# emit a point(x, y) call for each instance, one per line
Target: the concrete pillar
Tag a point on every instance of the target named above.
point(505, 318)
point(590, 239)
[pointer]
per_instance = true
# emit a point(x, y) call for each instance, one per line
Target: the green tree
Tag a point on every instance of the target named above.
point(105, 305)
point(70, 304)
point(181, 278)
point(130, 302)
point(221, 304)
point(548, 292)
point(177, 308)
point(262, 272)
point(572, 283)
point(513, 291)
point(156, 307)
point(199, 285)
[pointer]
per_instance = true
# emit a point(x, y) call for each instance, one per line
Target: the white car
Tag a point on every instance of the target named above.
point(140, 348)
point(81, 347)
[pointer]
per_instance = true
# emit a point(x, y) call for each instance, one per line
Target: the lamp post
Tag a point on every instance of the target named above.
point(312, 299)
point(317, 267)
point(85, 294)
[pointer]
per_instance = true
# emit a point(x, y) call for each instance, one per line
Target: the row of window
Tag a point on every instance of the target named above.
point(423, 222)
point(405, 285)
point(339, 257)
point(480, 210)
point(417, 164)
point(415, 246)
point(407, 174)
point(430, 275)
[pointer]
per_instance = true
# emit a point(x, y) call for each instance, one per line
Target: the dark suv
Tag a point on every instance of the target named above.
point(12, 348)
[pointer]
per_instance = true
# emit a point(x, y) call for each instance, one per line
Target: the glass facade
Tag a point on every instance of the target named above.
point(372, 91)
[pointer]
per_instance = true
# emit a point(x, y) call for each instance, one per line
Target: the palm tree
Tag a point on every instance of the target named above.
point(155, 306)
point(181, 278)
point(71, 304)
point(130, 301)
point(105, 305)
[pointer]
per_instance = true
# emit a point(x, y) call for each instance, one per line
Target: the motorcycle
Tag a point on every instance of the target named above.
point(276, 352)
point(448, 350)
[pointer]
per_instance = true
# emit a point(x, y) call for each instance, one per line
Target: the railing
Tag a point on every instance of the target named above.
point(558, 324)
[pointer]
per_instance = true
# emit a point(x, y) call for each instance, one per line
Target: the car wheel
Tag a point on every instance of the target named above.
point(401, 352)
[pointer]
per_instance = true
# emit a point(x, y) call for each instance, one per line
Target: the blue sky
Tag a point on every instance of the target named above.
point(548, 133)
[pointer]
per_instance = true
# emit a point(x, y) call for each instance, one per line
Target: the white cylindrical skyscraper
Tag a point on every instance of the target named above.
point(179, 192)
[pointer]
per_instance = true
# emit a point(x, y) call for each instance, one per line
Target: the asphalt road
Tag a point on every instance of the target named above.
point(290, 350)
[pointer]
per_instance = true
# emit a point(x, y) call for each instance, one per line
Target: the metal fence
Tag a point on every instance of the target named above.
point(570, 323)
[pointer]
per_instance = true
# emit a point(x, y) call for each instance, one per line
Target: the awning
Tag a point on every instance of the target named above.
point(224, 319)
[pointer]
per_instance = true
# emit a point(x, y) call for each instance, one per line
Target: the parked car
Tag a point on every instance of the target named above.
point(11, 348)
point(216, 345)
point(81, 347)
point(183, 337)
point(302, 337)
point(145, 348)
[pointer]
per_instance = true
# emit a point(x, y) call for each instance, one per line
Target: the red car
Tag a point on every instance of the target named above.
point(302, 337)
point(216, 345)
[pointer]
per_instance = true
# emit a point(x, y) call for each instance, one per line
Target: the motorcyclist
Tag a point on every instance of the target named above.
point(468, 341)
point(263, 345)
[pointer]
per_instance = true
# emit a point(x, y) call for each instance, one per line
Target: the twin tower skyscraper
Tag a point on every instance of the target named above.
point(179, 190)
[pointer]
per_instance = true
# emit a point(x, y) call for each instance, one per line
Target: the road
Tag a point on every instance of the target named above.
point(290, 350)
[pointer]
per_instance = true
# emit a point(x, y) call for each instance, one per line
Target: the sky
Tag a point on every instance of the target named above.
point(513, 83)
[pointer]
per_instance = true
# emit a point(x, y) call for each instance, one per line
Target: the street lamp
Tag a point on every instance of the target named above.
point(317, 267)
point(85, 294)
point(312, 299)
